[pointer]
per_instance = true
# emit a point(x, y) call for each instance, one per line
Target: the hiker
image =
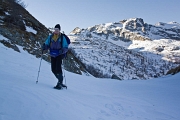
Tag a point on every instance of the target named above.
point(58, 47)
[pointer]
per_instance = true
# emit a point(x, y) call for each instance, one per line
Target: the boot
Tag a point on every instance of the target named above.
point(60, 79)
point(58, 86)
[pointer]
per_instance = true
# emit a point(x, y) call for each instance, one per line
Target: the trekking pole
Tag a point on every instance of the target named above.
point(64, 76)
point(39, 67)
point(64, 73)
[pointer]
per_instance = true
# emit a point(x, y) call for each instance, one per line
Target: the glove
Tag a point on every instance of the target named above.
point(61, 51)
point(43, 47)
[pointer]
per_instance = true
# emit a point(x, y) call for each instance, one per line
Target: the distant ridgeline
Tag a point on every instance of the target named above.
point(132, 29)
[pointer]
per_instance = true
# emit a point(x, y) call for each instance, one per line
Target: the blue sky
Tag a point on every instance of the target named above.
point(85, 13)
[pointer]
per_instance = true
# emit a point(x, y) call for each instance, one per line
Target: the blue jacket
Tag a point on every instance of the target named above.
point(55, 47)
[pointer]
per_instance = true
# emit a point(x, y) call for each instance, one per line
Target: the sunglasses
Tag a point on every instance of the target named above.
point(56, 29)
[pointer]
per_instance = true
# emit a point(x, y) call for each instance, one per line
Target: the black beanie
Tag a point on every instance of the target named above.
point(58, 26)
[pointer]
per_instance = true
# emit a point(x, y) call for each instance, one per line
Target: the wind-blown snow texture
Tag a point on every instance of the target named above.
point(87, 98)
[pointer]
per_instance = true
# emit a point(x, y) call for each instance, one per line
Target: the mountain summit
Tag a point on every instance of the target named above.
point(133, 29)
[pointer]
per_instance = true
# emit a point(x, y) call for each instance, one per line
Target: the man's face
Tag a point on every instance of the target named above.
point(56, 30)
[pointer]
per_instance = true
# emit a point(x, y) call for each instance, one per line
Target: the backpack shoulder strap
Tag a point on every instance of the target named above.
point(62, 40)
point(50, 39)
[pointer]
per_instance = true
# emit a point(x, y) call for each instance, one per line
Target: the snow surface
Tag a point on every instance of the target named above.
point(30, 29)
point(168, 25)
point(149, 47)
point(7, 13)
point(3, 38)
point(87, 98)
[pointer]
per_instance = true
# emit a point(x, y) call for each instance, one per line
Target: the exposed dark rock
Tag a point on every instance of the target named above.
point(115, 77)
point(10, 45)
point(174, 71)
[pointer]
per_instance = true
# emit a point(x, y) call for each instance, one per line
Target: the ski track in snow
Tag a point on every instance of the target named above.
point(87, 98)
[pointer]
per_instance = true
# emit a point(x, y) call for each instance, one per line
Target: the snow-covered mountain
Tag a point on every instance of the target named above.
point(129, 49)
point(87, 98)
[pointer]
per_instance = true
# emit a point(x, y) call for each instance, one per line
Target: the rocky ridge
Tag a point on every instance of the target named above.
point(132, 29)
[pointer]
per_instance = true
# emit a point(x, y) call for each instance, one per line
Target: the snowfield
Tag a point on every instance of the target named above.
point(87, 98)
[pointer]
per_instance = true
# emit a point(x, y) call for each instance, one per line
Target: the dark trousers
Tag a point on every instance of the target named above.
point(56, 68)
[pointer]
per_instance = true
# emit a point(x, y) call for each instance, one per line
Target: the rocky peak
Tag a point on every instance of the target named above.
point(76, 30)
point(134, 24)
point(133, 29)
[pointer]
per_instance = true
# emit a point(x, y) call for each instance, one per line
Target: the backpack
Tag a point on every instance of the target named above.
point(67, 40)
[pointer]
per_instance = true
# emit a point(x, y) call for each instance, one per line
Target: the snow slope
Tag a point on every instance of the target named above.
point(87, 98)
point(128, 60)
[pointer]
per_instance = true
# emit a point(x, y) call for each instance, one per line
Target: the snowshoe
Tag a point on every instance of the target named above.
point(59, 88)
point(64, 86)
